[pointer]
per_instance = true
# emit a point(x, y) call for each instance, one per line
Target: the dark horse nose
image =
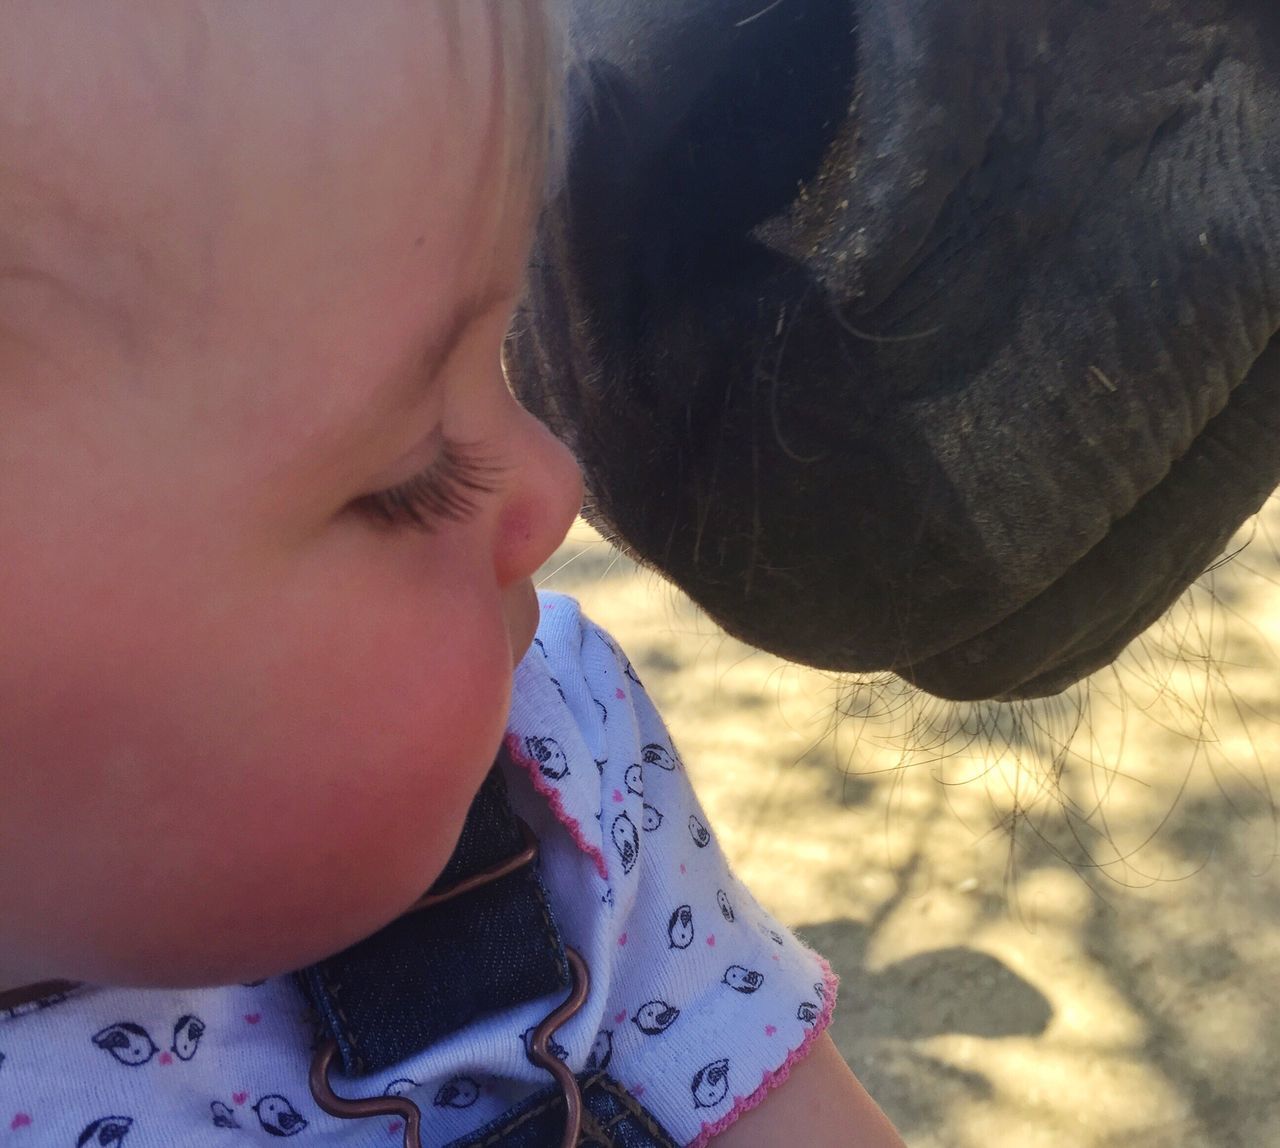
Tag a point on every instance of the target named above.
point(911, 334)
point(694, 122)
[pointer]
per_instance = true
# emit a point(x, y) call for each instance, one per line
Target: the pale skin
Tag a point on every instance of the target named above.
point(251, 279)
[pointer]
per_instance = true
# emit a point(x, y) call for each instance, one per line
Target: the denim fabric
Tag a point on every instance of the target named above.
point(432, 971)
point(612, 1119)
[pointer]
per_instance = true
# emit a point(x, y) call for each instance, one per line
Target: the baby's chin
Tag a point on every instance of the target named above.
point(261, 921)
point(521, 611)
point(246, 949)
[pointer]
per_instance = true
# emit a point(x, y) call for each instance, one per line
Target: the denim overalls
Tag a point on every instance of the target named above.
point(482, 939)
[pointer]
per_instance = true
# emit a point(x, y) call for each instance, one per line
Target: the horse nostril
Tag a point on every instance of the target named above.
point(689, 166)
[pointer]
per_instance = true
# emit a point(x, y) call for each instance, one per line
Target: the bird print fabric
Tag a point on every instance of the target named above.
point(699, 1002)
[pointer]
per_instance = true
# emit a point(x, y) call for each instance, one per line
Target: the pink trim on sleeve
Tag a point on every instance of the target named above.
point(772, 1078)
point(557, 804)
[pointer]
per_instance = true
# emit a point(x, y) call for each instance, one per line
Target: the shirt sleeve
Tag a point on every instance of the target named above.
point(700, 1001)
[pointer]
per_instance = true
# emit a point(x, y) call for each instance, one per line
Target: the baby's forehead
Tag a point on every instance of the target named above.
point(239, 170)
point(141, 120)
point(123, 107)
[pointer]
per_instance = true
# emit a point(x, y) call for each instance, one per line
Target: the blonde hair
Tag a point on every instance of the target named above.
point(533, 67)
point(529, 54)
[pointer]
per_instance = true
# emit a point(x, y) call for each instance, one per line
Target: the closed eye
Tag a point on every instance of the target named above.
point(449, 490)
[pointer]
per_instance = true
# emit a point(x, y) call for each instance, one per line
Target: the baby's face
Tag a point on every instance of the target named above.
point(254, 274)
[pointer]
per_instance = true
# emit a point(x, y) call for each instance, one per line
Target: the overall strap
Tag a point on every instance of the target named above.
point(482, 939)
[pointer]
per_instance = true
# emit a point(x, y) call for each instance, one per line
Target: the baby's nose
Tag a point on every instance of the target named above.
point(545, 494)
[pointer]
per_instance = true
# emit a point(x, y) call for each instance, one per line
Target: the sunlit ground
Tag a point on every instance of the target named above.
point(1057, 925)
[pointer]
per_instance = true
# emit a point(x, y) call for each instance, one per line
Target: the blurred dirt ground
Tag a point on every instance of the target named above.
point(1057, 925)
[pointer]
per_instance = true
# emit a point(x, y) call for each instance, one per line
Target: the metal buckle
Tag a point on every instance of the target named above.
point(539, 1051)
point(409, 1112)
point(516, 861)
point(348, 1109)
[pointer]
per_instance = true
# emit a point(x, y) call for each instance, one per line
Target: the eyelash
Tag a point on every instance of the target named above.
point(447, 491)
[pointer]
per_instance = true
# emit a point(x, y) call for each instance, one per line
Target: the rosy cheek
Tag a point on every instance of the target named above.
point(238, 800)
point(363, 789)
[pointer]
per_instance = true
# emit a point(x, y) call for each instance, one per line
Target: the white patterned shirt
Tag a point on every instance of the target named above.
point(699, 1001)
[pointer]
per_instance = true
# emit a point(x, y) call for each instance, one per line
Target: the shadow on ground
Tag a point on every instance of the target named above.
point(1057, 925)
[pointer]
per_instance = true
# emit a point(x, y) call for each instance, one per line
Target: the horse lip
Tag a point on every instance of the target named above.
point(938, 676)
point(1141, 566)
